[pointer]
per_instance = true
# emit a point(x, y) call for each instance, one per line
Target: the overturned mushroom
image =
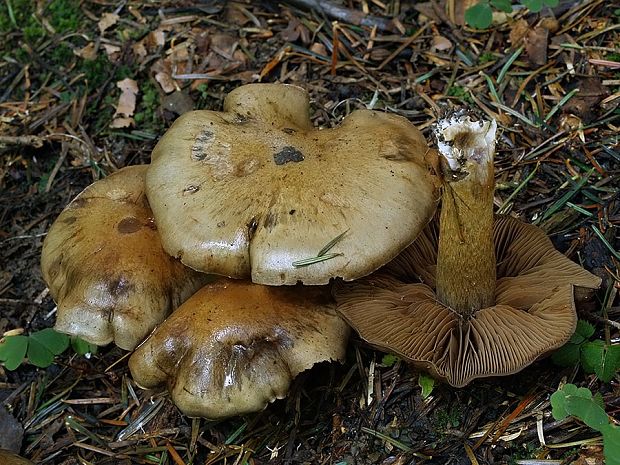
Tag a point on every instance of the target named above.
point(103, 262)
point(255, 190)
point(495, 294)
point(235, 346)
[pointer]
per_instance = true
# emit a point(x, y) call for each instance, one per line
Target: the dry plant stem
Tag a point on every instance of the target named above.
point(466, 254)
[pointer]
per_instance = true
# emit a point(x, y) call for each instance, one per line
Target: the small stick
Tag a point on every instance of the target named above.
point(347, 15)
point(33, 141)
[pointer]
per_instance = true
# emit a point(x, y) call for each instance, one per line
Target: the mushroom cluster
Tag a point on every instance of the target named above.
point(254, 193)
point(223, 247)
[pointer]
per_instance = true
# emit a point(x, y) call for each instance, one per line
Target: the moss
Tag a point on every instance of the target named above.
point(486, 57)
point(447, 418)
point(64, 15)
point(146, 116)
point(18, 15)
point(62, 56)
point(613, 57)
point(461, 93)
point(95, 71)
point(102, 115)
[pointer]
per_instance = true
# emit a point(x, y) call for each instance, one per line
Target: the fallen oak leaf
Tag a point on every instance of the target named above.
point(120, 123)
point(112, 51)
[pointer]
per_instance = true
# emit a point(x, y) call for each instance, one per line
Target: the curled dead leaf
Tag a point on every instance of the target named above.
point(112, 51)
point(440, 43)
point(165, 81)
point(107, 21)
point(120, 123)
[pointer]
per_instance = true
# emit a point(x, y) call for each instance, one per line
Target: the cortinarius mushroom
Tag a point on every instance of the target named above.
point(103, 262)
point(495, 294)
point(253, 190)
point(235, 346)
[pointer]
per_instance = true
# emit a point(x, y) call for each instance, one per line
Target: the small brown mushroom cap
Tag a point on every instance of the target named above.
point(249, 191)
point(105, 267)
point(234, 346)
point(534, 311)
point(9, 458)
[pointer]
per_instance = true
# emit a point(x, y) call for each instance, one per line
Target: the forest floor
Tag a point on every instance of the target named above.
point(551, 80)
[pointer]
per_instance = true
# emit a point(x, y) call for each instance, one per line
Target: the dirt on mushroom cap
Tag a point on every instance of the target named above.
point(250, 191)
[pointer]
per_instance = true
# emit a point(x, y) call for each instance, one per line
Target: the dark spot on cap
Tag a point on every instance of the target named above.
point(78, 203)
point(270, 221)
point(399, 155)
point(289, 130)
point(288, 154)
point(252, 225)
point(129, 225)
point(120, 286)
point(55, 267)
point(69, 220)
point(292, 212)
point(191, 189)
point(221, 224)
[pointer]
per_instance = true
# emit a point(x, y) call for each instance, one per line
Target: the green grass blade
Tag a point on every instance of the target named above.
point(313, 260)
point(508, 64)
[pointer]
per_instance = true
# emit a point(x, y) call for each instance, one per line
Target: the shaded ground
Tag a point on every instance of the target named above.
point(553, 83)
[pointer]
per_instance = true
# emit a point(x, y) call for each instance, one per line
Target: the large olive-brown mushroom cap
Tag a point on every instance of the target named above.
point(249, 191)
point(533, 314)
point(105, 267)
point(234, 346)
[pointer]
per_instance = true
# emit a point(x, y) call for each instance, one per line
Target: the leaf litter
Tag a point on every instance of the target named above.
point(554, 88)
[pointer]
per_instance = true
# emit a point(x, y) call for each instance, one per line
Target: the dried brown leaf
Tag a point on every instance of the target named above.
point(127, 101)
point(88, 52)
point(107, 21)
point(440, 43)
point(112, 51)
point(120, 123)
point(536, 41)
point(165, 81)
point(518, 32)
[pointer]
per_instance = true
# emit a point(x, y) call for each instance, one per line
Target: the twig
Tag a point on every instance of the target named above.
point(347, 15)
point(33, 141)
